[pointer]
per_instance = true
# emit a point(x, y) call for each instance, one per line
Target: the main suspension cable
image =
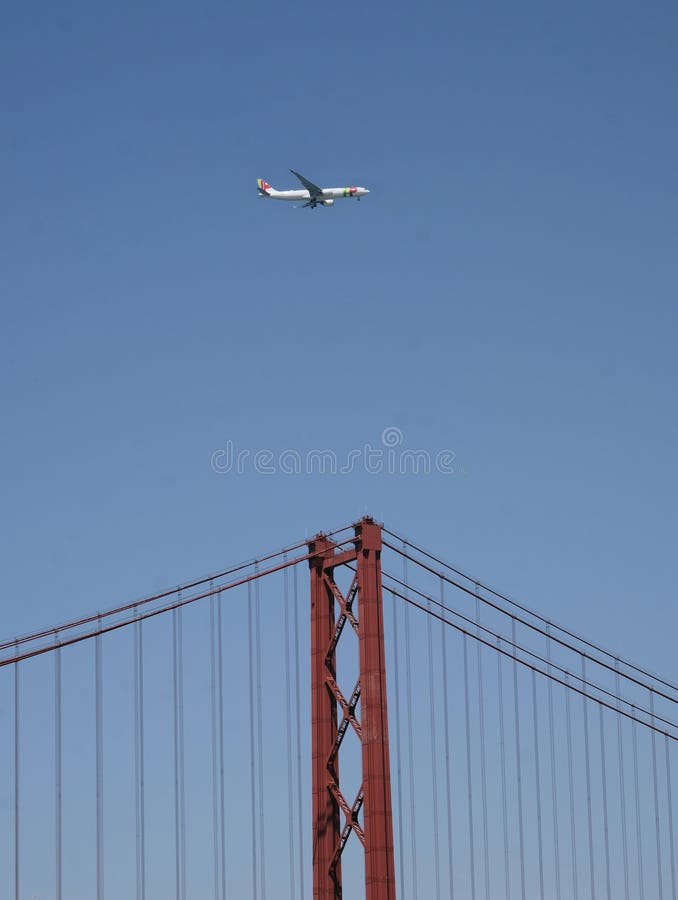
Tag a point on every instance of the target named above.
point(532, 653)
point(525, 609)
point(562, 682)
point(170, 592)
point(60, 641)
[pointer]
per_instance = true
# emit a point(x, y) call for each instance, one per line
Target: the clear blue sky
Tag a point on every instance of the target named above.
point(507, 291)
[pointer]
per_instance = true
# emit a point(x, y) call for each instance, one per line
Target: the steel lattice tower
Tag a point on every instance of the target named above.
point(368, 815)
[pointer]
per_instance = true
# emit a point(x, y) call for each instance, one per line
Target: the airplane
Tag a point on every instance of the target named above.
point(313, 195)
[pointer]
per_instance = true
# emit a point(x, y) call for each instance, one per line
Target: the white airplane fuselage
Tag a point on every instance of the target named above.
point(328, 194)
point(321, 196)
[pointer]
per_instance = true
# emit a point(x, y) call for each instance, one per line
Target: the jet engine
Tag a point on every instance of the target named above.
point(328, 202)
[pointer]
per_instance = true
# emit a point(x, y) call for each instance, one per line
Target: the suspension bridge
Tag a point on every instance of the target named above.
point(351, 716)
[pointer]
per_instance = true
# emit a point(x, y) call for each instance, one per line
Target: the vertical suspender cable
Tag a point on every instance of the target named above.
point(99, 767)
point(260, 738)
point(606, 829)
point(297, 698)
point(434, 754)
point(537, 781)
point(398, 748)
point(220, 748)
point(288, 735)
point(215, 755)
point(446, 719)
point(179, 794)
point(250, 635)
point(142, 763)
point(410, 741)
point(175, 735)
point(137, 819)
point(137, 827)
point(554, 783)
point(138, 763)
point(622, 788)
point(57, 768)
point(660, 884)
point(639, 841)
point(518, 762)
point(217, 730)
point(573, 836)
point(469, 773)
point(16, 778)
point(585, 712)
point(181, 749)
point(502, 751)
point(672, 855)
point(483, 774)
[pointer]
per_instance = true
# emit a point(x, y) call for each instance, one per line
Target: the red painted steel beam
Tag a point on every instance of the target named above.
point(378, 821)
point(326, 824)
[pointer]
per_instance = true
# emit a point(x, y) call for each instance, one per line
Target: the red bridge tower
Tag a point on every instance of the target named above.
point(368, 815)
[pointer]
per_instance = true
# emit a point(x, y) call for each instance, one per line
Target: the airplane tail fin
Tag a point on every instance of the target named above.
point(264, 187)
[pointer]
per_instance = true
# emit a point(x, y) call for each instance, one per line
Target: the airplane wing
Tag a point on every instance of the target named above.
point(313, 189)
